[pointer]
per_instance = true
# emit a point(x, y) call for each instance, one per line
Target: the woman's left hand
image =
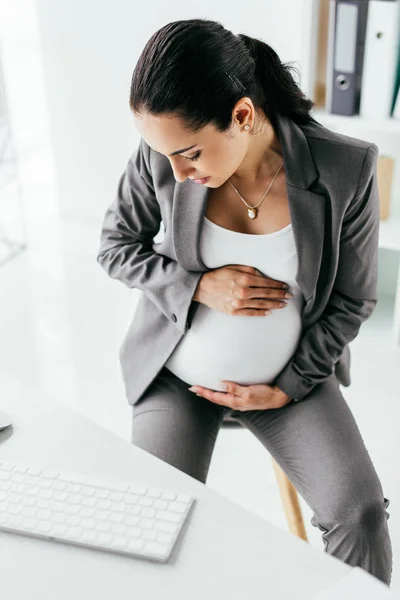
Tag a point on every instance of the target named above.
point(249, 397)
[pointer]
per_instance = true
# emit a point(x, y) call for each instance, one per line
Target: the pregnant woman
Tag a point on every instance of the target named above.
point(267, 269)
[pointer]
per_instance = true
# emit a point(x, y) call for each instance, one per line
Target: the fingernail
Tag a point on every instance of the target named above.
point(288, 295)
point(192, 389)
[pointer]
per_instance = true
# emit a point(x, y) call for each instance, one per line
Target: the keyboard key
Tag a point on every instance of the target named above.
point(118, 507)
point(131, 520)
point(178, 507)
point(43, 526)
point(73, 509)
point(155, 549)
point(73, 488)
point(102, 493)
point(86, 511)
point(120, 542)
point(102, 526)
point(73, 533)
point(58, 518)
point(117, 517)
point(154, 492)
point(19, 468)
point(137, 489)
point(88, 502)
point(134, 532)
point(35, 471)
point(71, 520)
point(60, 496)
point(133, 510)
point(150, 535)
point(135, 544)
point(166, 538)
point(118, 496)
point(167, 516)
point(166, 527)
point(104, 538)
point(185, 498)
point(145, 501)
point(58, 485)
point(89, 535)
point(59, 529)
point(15, 521)
point(49, 474)
point(168, 496)
point(147, 523)
point(131, 498)
point(118, 528)
point(88, 523)
point(7, 466)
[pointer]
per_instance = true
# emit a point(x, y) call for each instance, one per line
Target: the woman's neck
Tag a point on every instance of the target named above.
point(262, 159)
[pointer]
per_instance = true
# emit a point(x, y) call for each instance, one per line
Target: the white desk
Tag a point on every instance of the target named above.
point(226, 551)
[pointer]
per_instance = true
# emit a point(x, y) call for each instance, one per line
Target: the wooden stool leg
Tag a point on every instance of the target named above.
point(290, 502)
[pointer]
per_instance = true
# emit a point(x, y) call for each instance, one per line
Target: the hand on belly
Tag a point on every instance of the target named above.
point(242, 398)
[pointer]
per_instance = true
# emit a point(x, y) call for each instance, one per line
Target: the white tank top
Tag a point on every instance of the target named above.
point(244, 349)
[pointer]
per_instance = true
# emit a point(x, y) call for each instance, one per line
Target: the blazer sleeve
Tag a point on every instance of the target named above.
point(126, 253)
point(354, 293)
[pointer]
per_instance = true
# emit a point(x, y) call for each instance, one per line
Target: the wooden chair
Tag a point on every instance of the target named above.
point(288, 493)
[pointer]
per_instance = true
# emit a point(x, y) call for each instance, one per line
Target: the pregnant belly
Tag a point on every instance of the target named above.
point(243, 349)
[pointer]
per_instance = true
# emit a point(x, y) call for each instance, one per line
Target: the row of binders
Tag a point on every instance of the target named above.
point(363, 58)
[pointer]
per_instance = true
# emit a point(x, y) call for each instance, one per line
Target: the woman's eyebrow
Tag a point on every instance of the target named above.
point(183, 150)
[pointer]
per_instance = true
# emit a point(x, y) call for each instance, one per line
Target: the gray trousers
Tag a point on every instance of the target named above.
point(316, 442)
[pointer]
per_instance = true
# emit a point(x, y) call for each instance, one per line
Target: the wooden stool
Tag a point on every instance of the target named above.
point(288, 493)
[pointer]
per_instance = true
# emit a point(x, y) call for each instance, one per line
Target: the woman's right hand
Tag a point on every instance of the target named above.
point(240, 290)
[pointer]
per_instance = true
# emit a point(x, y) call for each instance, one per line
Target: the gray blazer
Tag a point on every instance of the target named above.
point(334, 208)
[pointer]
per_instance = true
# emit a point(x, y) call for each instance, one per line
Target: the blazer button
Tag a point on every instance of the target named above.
point(174, 318)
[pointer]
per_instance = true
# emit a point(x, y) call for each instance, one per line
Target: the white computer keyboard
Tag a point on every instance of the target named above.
point(125, 517)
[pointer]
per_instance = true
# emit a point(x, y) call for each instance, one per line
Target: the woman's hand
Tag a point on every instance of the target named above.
point(249, 397)
point(241, 290)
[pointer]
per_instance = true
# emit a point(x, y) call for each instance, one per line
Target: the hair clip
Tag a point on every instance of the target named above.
point(237, 83)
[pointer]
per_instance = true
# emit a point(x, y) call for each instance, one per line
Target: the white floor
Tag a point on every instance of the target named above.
point(62, 321)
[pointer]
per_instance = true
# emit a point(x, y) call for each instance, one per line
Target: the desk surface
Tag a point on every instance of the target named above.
point(225, 552)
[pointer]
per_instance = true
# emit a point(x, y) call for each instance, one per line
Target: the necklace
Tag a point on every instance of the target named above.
point(252, 210)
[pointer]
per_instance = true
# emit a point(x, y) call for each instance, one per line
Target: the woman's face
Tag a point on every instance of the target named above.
point(208, 153)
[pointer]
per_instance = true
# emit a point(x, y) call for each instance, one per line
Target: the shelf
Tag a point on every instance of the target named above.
point(389, 234)
point(390, 125)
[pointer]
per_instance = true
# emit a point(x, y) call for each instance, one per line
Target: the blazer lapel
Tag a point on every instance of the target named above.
point(188, 208)
point(307, 210)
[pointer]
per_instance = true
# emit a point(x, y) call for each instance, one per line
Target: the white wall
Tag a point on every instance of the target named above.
point(89, 52)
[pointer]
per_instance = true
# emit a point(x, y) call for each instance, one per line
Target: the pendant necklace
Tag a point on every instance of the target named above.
point(252, 210)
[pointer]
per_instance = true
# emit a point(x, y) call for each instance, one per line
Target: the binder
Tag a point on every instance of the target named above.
point(396, 109)
point(346, 40)
point(380, 59)
point(385, 170)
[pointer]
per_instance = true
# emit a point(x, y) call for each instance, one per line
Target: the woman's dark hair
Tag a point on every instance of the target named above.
point(197, 70)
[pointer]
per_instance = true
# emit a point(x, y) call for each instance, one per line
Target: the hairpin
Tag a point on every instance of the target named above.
point(237, 83)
